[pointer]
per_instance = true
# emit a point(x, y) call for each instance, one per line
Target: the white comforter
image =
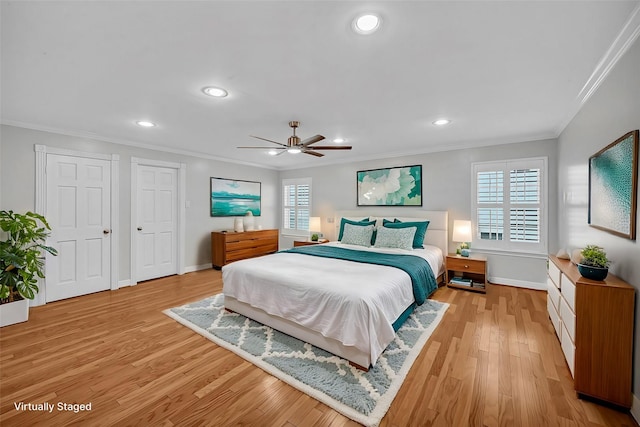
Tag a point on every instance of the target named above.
point(354, 303)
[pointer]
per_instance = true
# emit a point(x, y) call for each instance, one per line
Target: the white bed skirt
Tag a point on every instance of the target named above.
point(352, 354)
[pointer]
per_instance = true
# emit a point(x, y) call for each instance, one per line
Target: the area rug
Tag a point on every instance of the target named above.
point(365, 397)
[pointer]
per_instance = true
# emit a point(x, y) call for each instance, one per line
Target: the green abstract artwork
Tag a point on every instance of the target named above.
point(613, 176)
point(401, 186)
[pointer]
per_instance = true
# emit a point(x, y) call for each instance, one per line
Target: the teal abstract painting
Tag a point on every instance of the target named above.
point(401, 186)
point(234, 197)
point(613, 180)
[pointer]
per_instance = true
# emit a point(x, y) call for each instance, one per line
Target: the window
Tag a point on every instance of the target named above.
point(296, 207)
point(509, 205)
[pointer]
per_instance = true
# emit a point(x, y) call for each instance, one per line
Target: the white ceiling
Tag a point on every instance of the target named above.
point(501, 71)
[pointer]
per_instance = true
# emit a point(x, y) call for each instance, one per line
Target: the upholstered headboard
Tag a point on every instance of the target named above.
point(437, 232)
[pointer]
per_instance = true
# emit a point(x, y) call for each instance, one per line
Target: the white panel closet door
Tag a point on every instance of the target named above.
point(157, 205)
point(78, 210)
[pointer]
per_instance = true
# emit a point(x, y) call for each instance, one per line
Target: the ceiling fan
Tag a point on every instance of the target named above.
point(294, 145)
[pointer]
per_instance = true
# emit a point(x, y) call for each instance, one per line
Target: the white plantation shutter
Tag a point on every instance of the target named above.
point(524, 214)
point(490, 199)
point(509, 204)
point(296, 205)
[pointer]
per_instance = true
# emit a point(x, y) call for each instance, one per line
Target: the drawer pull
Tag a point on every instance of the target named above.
point(466, 266)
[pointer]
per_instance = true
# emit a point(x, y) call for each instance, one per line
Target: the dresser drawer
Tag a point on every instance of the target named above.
point(568, 290)
point(232, 237)
point(568, 319)
point(251, 252)
point(466, 265)
point(554, 294)
point(247, 244)
point(554, 274)
point(569, 349)
point(553, 316)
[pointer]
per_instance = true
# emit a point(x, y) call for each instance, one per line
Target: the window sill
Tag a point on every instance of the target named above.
point(295, 235)
point(534, 255)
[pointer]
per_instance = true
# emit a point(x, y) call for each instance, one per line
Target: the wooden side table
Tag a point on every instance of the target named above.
point(472, 268)
point(297, 243)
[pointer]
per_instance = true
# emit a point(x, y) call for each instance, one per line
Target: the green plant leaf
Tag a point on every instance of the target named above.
point(21, 262)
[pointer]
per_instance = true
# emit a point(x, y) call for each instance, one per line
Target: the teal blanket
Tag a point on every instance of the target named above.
point(422, 278)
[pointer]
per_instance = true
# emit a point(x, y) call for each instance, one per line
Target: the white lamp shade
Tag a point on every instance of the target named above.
point(315, 224)
point(461, 231)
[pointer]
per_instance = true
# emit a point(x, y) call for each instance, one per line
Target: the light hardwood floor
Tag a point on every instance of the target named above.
point(494, 360)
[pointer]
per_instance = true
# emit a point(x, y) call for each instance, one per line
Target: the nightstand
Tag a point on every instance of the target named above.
point(472, 270)
point(297, 243)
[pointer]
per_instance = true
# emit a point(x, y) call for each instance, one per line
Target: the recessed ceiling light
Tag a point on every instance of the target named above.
point(338, 140)
point(367, 23)
point(215, 91)
point(442, 122)
point(145, 124)
point(272, 152)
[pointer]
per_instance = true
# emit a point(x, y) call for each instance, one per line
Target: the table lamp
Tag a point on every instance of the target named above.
point(315, 227)
point(462, 235)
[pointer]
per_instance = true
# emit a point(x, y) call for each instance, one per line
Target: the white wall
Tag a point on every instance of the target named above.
point(611, 112)
point(446, 180)
point(17, 172)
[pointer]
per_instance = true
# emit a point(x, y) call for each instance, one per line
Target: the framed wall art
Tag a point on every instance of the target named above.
point(400, 186)
point(613, 183)
point(232, 197)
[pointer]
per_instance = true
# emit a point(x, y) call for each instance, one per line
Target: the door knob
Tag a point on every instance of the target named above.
point(139, 228)
point(106, 231)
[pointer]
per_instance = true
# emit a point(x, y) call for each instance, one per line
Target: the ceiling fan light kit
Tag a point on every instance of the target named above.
point(295, 146)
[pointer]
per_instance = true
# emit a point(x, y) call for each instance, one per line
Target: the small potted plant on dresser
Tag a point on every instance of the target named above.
point(594, 264)
point(21, 264)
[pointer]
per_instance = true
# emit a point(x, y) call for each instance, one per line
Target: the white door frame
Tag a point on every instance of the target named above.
point(182, 187)
point(41, 204)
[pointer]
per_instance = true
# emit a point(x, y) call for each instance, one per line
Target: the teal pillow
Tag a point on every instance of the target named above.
point(421, 230)
point(344, 221)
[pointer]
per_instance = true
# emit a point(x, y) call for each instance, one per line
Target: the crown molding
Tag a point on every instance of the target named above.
point(460, 145)
point(624, 40)
point(89, 135)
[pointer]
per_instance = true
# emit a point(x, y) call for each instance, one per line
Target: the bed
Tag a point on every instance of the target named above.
point(345, 305)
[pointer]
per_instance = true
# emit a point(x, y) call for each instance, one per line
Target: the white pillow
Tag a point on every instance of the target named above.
point(357, 234)
point(401, 238)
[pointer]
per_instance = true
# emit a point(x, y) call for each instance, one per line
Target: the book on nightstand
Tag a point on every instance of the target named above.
point(462, 281)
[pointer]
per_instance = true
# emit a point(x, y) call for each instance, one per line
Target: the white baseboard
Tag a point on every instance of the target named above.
point(193, 268)
point(635, 408)
point(519, 283)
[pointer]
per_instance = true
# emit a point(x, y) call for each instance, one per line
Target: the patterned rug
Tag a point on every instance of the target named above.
point(365, 397)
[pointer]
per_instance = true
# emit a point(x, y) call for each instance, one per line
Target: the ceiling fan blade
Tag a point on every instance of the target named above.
point(268, 140)
point(312, 140)
point(331, 147)
point(313, 153)
point(265, 148)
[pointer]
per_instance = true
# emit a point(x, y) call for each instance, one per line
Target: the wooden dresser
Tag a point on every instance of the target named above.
point(594, 322)
point(229, 246)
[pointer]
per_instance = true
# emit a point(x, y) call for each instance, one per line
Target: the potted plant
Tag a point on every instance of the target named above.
point(21, 264)
point(594, 264)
